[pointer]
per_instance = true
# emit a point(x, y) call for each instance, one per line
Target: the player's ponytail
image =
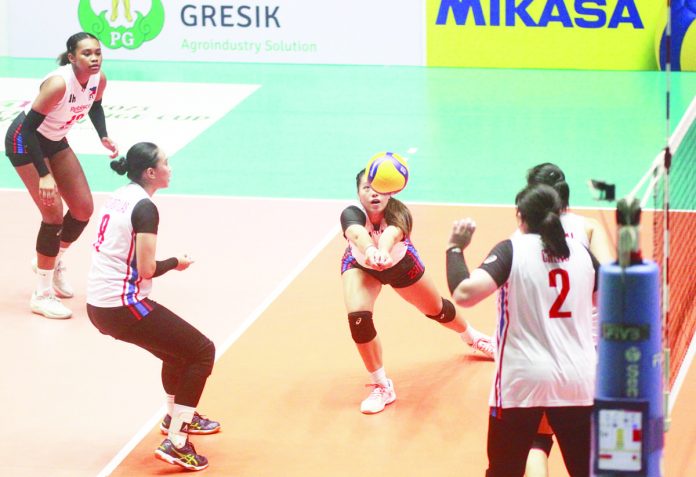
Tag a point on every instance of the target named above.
point(539, 207)
point(139, 158)
point(552, 175)
point(120, 166)
point(553, 236)
point(398, 215)
point(71, 46)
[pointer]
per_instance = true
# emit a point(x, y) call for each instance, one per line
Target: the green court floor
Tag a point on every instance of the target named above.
point(308, 129)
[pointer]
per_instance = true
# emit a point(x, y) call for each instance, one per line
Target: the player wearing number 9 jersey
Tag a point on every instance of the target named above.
point(38, 149)
point(120, 279)
point(545, 359)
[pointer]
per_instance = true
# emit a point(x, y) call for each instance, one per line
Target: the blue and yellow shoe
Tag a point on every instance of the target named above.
point(199, 425)
point(185, 456)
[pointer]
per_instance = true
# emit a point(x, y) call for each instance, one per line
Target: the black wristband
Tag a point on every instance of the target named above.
point(456, 268)
point(163, 266)
point(96, 115)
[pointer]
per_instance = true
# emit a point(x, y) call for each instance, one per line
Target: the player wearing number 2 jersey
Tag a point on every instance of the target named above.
point(545, 358)
point(120, 279)
point(589, 233)
point(38, 149)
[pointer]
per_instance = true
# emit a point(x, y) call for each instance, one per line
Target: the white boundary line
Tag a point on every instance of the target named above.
point(150, 423)
point(681, 374)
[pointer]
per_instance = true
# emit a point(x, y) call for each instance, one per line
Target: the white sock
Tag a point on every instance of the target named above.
point(45, 282)
point(178, 429)
point(170, 404)
point(469, 335)
point(61, 251)
point(379, 376)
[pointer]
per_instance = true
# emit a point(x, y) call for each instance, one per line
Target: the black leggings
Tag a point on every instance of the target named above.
point(187, 355)
point(510, 438)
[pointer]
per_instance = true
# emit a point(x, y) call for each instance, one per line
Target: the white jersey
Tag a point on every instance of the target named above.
point(574, 226)
point(73, 106)
point(546, 356)
point(113, 277)
point(397, 252)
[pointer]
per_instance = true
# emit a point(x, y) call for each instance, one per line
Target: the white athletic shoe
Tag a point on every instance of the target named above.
point(480, 342)
point(379, 398)
point(61, 287)
point(484, 345)
point(48, 305)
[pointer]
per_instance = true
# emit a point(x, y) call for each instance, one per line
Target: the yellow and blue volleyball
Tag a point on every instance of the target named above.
point(683, 50)
point(387, 172)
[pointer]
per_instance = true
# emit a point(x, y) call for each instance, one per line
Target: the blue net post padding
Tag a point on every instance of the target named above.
point(628, 422)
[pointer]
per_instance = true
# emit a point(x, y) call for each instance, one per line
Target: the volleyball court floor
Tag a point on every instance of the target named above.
point(288, 381)
point(266, 288)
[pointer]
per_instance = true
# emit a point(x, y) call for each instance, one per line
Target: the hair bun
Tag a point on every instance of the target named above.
point(120, 166)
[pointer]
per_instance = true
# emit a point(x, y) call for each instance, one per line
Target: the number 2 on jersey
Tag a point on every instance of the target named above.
point(102, 230)
point(555, 311)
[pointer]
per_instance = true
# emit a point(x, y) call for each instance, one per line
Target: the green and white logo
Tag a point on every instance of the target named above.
point(122, 30)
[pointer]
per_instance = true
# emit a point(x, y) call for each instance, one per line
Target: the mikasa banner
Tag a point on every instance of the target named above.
point(273, 31)
point(576, 34)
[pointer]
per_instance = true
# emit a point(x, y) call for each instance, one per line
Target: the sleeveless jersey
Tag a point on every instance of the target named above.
point(397, 252)
point(73, 106)
point(113, 277)
point(574, 226)
point(546, 356)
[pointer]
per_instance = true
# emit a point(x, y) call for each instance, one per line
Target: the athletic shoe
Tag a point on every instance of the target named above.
point(61, 287)
point(479, 341)
point(48, 305)
point(199, 425)
point(379, 398)
point(185, 456)
point(484, 345)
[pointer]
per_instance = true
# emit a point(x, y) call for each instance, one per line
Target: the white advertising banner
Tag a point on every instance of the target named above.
point(384, 32)
point(138, 111)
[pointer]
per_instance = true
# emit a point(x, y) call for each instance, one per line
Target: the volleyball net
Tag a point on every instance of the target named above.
point(670, 196)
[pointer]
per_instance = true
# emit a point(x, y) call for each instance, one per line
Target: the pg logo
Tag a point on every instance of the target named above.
point(124, 25)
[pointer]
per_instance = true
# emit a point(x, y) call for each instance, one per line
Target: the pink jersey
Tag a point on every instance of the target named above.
point(73, 106)
point(397, 252)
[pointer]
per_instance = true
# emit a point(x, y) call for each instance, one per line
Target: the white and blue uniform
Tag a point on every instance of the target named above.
point(546, 356)
point(113, 277)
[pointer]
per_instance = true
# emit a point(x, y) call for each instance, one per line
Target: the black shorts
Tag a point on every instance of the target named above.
point(17, 149)
point(405, 273)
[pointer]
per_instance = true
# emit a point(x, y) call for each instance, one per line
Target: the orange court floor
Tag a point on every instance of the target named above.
point(288, 381)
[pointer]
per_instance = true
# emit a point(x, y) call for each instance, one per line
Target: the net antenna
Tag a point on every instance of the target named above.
point(656, 176)
point(666, 164)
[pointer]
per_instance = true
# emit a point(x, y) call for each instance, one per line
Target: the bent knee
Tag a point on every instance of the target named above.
point(206, 356)
point(447, 313)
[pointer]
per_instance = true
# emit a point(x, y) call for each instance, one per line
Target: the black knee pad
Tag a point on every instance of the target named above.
point(206, 358)
point(72, 228)
point(447, 313)
point(362, 327)
point(48, 239)
point(543, 442)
